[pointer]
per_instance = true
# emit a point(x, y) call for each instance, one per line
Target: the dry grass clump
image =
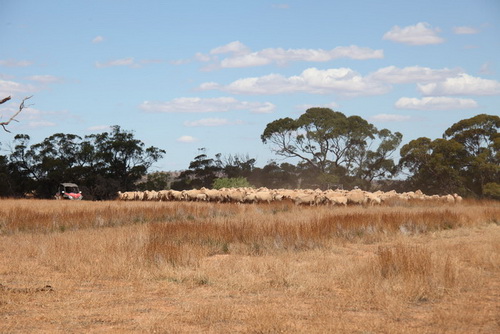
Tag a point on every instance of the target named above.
point(406, 274)
point(137, 267)
point(190, 238)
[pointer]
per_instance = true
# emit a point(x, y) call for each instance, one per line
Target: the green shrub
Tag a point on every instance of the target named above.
point(235, 182)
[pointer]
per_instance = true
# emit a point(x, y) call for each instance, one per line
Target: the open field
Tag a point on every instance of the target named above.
point(176, 267)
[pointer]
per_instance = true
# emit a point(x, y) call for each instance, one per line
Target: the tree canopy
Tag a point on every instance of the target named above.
point(333, 144)
point(101, 163)
point(466, 160)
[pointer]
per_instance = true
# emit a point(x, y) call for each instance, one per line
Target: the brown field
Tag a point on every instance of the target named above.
point(140, 267)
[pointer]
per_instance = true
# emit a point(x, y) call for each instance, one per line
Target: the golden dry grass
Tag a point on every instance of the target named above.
point(128, 267)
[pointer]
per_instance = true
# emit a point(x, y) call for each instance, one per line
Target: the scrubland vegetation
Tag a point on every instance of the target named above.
point(184, 267)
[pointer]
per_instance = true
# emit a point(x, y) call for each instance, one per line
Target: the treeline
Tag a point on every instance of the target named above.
point(331, 150)
point(101, 164)
point(336, 151)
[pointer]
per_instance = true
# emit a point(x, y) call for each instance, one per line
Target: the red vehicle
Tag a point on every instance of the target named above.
point(68, 191)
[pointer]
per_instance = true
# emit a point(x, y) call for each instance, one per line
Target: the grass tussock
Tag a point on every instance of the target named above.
point(187, 240)
point(128, 267)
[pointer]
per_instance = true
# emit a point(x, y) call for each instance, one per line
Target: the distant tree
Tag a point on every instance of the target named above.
point(118, 155)
point(155, 181)
point(276, 176)
point(101, 164)
point(331, 143)
point(480, 138)
point(235, 165)
point(201, 173)
point(464, 161)
point(5, 178)
point(434, 165)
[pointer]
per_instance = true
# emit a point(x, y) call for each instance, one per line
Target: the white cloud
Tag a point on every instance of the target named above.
point(236, 48)
point(40, 124)
point(12, 88)
point(462, 84)
point(464, 30)
point(15, 63)
point(390, 118)
point(343, 81)
point(420, 34)
point(248, 60)
point(435, 103)
point(96, 128)
point(186, 139)
point(44, 79)
point(241, 56)
point(130, 62)
point(331, 105)
point(411, 74)
point(212, 122)
point(205, 105)
point(35, 118)
point(98, 39)
point(486, 69)
point(281, 56)
point(117, 62)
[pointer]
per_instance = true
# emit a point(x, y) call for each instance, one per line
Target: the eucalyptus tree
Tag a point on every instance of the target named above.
point(101, 163)
point(466, 160)
point(333, 144)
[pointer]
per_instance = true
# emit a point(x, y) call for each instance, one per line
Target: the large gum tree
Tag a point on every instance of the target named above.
point(466, 160)
point(335, 146)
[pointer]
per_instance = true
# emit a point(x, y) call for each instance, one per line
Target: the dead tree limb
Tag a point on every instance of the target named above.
point(5, 100)
point(13, 118)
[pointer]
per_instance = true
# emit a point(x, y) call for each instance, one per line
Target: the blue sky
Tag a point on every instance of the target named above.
point(189, 74)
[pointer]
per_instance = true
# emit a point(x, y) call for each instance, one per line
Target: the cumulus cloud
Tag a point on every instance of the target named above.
point(390, 118)
point(435, 103)
point(281, 56)
point(15, 63)
point(343, 81)
point(236, 48)
point(462, 84)
point(241, 56)
point(412, 74)
point(212, 122)
point(420, 34)
point(464, 30)
point(205, 105)
point(186, 139)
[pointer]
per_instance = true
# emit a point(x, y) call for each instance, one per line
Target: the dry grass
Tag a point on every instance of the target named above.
point(208, 268)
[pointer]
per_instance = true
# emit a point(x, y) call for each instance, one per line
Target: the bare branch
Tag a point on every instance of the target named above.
point(5, 100)
point(13, 118)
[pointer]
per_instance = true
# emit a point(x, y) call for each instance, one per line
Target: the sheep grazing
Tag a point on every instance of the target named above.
point(309, 197)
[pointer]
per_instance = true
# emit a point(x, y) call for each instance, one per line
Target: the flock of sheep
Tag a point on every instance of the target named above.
point(297, 196)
